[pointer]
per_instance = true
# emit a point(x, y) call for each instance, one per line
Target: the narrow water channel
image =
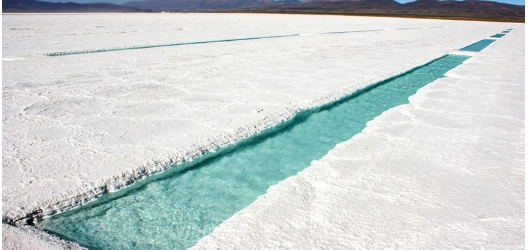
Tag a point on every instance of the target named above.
point(175, 209)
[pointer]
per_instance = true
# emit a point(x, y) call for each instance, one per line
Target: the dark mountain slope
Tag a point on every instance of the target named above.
point(32, 6)
point(481, 8)
point(365, 5)
point(197, 5)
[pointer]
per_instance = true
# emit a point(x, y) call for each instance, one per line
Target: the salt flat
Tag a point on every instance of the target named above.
point(74, 126)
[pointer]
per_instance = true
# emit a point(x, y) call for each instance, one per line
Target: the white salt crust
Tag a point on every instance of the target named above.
point(77, 126)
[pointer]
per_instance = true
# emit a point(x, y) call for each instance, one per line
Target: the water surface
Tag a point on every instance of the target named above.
point(478, 46)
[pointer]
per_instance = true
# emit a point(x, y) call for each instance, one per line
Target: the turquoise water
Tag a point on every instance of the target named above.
point(348, 31)
point(175, 209)
point(499, 35)
point(478, 46)
point(89, 51)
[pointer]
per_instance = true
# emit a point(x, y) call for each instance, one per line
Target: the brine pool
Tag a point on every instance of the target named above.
point(176, 208)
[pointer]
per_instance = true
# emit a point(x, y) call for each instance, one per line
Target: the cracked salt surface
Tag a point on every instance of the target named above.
point(120, 114)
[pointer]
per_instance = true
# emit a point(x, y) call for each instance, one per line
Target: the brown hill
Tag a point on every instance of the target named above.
point(463, 10)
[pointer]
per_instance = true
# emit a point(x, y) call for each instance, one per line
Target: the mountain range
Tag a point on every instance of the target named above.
point(467, 10)
point(32, 6)
point(463, 10)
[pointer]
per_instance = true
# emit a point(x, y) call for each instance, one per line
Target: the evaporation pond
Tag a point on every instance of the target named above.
point(174, 209)
point(478, 46)
point(500, 35)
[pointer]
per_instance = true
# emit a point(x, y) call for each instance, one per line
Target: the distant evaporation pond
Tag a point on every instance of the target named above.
point(500, 35)
point(478, 46)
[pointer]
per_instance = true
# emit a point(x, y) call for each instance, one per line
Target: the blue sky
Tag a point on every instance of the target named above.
point(518, 2)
